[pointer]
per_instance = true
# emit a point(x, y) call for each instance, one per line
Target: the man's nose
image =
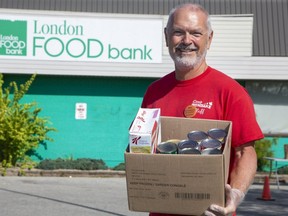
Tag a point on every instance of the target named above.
point(187, 38)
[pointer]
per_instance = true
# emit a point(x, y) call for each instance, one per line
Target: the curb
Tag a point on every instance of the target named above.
point(259, 177)
point(64, 173)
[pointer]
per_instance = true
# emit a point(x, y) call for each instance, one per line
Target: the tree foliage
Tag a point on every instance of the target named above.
point(21, 128)
point(263, 149)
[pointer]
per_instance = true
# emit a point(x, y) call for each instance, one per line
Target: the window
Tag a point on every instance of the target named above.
point(271, 105)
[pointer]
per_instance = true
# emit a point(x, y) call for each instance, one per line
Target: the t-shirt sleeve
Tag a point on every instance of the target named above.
point(241, 112)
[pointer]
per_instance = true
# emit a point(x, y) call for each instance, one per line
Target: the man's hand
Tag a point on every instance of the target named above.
point(233, 199)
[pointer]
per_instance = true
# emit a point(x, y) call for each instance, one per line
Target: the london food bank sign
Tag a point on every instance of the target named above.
point(68, 38)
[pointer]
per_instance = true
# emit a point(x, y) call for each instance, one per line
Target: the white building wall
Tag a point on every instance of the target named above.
point(230, 52)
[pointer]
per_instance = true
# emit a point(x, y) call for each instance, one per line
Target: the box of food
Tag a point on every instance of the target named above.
point(144, 131)
point(179, 183)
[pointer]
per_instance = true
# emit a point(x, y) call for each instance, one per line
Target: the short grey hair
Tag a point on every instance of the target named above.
point(192, 7)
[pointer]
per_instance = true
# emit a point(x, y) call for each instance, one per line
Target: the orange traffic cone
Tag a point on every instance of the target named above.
point(266, 196)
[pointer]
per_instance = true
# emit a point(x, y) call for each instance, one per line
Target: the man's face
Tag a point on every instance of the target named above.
point(188, 38)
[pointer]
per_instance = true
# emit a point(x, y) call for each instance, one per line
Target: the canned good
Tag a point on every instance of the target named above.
point(209, 151)
point(218, 134)
point(166, 148)
point(210, 144)
point(197, 136)
point(176, 141)
point(189, 151)
point(188, 144)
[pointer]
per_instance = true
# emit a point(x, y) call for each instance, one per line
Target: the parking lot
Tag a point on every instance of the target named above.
point(74, 196)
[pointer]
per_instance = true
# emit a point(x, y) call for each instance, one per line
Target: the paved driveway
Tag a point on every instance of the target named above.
point(61, 196)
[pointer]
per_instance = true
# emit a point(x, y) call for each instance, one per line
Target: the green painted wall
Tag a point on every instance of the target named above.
point(278, 151)
point(112, 103)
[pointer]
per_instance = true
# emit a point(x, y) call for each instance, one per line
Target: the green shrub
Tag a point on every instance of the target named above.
point(120, 166)
point(21, 129)
point(283, 170)
point(79, 164)
point(263, 149)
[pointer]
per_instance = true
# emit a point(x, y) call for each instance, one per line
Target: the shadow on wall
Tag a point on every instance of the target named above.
point(83, 85)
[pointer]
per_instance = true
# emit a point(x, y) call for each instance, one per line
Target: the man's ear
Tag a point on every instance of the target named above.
point(210, 39)
point(166, 37)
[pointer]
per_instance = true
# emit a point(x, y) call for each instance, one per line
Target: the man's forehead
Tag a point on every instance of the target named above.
point(189, 20)
point(190, 14)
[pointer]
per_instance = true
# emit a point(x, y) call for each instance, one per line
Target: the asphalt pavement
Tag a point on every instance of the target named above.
point(86, 196)
point(254, 205)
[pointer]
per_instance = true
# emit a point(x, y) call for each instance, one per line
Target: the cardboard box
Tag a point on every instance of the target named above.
point(143, 133)
point(178, 184)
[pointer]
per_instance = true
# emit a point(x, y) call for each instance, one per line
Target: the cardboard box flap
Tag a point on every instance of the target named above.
point(227, 151)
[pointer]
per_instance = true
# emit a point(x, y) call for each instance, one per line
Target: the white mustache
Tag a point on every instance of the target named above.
point(183, 47)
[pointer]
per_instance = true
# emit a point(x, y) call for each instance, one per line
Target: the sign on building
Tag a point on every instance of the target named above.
point(80, 38)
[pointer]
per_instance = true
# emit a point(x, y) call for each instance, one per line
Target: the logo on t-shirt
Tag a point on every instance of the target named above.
point(202, 106)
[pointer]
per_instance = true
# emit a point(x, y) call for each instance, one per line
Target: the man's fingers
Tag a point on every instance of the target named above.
point(209, 213)
point(218, 209)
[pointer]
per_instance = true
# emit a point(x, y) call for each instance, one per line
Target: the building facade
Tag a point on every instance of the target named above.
point(250, 45)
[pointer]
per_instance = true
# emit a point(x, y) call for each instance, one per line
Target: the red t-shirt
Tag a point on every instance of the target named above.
point(214, 95)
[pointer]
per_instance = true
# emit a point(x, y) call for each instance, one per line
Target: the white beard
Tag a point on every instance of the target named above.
point(187, 62)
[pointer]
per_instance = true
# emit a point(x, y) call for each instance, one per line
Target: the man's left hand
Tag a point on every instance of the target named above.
point(233, 199)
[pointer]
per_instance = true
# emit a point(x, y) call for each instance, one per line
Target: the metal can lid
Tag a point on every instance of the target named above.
point(167, 148)
point(210, 151)
point(197, 135)
point(188, 144)
point(210, 143)
point(176, 141)
point(218, 134)
point(189, 151)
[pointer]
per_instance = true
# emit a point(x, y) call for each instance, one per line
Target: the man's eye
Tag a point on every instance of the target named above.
point(178, 33)
point(197, 34)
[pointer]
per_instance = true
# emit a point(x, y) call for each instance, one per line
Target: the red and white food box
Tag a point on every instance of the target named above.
point(144, 132)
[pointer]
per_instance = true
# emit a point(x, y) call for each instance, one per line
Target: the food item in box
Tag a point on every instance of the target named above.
point(198, 142)
point(189, 151)
point(144, 132)
point(167, 148)
point(188, 147)
point(218, 134)
point(176, 141)
point(197, 136)
point(211, 151)
point(210, 144)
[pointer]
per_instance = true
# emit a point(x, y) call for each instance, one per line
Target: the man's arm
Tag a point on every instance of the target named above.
point(241, 177)
point(245, 167)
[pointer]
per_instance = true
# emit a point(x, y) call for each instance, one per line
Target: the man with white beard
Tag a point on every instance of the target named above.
point(196, 90)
